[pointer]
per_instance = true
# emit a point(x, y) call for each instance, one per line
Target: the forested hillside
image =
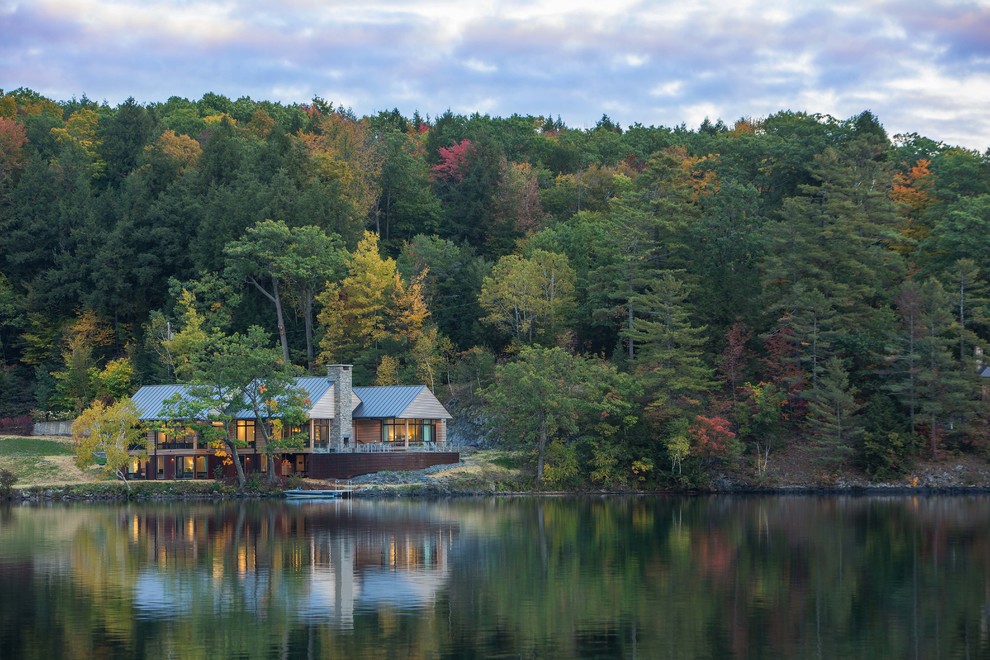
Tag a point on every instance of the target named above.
point(634, 304)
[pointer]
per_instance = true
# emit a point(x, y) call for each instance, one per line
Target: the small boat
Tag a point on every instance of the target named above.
point(300, 494)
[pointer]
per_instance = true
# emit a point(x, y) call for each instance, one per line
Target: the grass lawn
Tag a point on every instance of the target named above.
point(43, 461)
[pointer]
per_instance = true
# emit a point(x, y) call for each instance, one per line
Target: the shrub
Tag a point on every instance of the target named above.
point(7, 481)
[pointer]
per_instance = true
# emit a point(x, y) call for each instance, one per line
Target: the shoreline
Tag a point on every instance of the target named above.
point(212, 491)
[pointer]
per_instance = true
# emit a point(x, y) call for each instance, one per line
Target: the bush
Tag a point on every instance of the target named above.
point(886, 456)
point(7, 481)
point(16, 425)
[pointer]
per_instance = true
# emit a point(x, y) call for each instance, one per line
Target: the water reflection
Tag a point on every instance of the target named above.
point(315, 561)
point(780, 577)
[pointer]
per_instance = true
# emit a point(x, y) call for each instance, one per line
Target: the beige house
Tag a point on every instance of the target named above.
point(350, 430)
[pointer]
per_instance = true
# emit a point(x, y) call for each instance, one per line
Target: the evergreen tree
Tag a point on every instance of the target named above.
point(832, 414)
point(669, 348)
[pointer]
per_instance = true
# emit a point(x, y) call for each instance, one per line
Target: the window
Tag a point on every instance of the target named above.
point(201, 467)
point(285, 432)
point(321, 432)
point(137, 468)
point(184, 467)
point(417, 430)
point(175, 439)
point(244, 431)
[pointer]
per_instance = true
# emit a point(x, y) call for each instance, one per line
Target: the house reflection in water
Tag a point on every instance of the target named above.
point(311, 562)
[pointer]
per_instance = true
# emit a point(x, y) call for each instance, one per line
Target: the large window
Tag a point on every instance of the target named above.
point(137, 468)
point(418, 431)
point(287, 432)
point(185, 467)
point(175, 439)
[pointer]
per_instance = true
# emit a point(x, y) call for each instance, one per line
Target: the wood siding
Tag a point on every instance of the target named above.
point(425, 406)
point(346, 466)
point(367, 430)
point(323, 408)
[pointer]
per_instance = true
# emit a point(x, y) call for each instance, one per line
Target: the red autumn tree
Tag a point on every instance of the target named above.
point(453, 161)
point(711, 437)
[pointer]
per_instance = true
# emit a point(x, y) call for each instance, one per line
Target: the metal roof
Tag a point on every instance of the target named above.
point(315, 387)
point(376, 402)
point(150, 399)
point(385, 401)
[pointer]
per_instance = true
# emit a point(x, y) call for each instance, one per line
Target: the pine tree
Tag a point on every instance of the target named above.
point(669, 348)
point(831, 419)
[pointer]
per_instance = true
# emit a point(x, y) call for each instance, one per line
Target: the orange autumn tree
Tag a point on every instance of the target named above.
point(912, 192)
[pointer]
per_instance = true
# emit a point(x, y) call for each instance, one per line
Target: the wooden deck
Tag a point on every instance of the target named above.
point(348, 466)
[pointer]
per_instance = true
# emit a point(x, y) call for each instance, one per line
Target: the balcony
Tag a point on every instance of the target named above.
point(378, 448)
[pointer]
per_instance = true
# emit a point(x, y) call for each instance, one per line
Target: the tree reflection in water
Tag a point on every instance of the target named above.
point(638, 577)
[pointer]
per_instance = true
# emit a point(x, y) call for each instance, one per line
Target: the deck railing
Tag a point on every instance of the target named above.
point(380, 447)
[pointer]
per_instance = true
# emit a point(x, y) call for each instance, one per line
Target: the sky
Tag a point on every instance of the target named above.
point(920, 66)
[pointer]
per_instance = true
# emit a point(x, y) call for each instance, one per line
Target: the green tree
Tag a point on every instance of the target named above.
point(668, 348)
point(938, 390)
point(832, 415)
point(406, 205)
point(296, 261)
point(240, 374)
point(549, 395)
point(529, 298)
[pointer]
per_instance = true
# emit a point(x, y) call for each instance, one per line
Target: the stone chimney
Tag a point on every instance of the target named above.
point(342, 430)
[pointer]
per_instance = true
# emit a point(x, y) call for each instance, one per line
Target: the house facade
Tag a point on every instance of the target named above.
point(349, 431)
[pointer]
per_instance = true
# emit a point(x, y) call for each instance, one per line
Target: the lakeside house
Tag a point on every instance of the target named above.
point(349, 431)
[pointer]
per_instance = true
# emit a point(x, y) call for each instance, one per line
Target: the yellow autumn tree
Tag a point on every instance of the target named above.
point(341, 150)
point(80, 135)
point(183, 346)
point(171, 154)
point(76, 383)
point(374, 314)
point(355, 313)
point(110, 432)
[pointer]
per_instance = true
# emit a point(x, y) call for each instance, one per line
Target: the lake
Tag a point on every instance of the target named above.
point(515, 577)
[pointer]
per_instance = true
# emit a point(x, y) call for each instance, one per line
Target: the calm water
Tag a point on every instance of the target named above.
point(711, 577)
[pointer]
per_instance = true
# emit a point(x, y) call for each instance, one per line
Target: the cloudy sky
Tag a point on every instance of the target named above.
point(921, 66)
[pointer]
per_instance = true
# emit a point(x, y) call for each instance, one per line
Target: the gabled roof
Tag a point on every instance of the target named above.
point(150, 399)
point(391, 401)
point(385, 401)
point(315, 387)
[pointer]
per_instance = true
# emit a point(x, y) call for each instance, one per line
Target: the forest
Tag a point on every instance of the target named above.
point(633, 306)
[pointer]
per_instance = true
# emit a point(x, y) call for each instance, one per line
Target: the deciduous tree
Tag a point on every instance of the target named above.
point(111, 430)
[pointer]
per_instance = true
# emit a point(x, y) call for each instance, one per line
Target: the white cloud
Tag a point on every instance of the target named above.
point(672, 88)
point(481, 67)
point(924, 68)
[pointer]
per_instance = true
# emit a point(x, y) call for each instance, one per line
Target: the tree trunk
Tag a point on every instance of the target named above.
point(541, 451)
point(272, 477)
point(308, 314)
point(281, 322)
point(232, 448)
